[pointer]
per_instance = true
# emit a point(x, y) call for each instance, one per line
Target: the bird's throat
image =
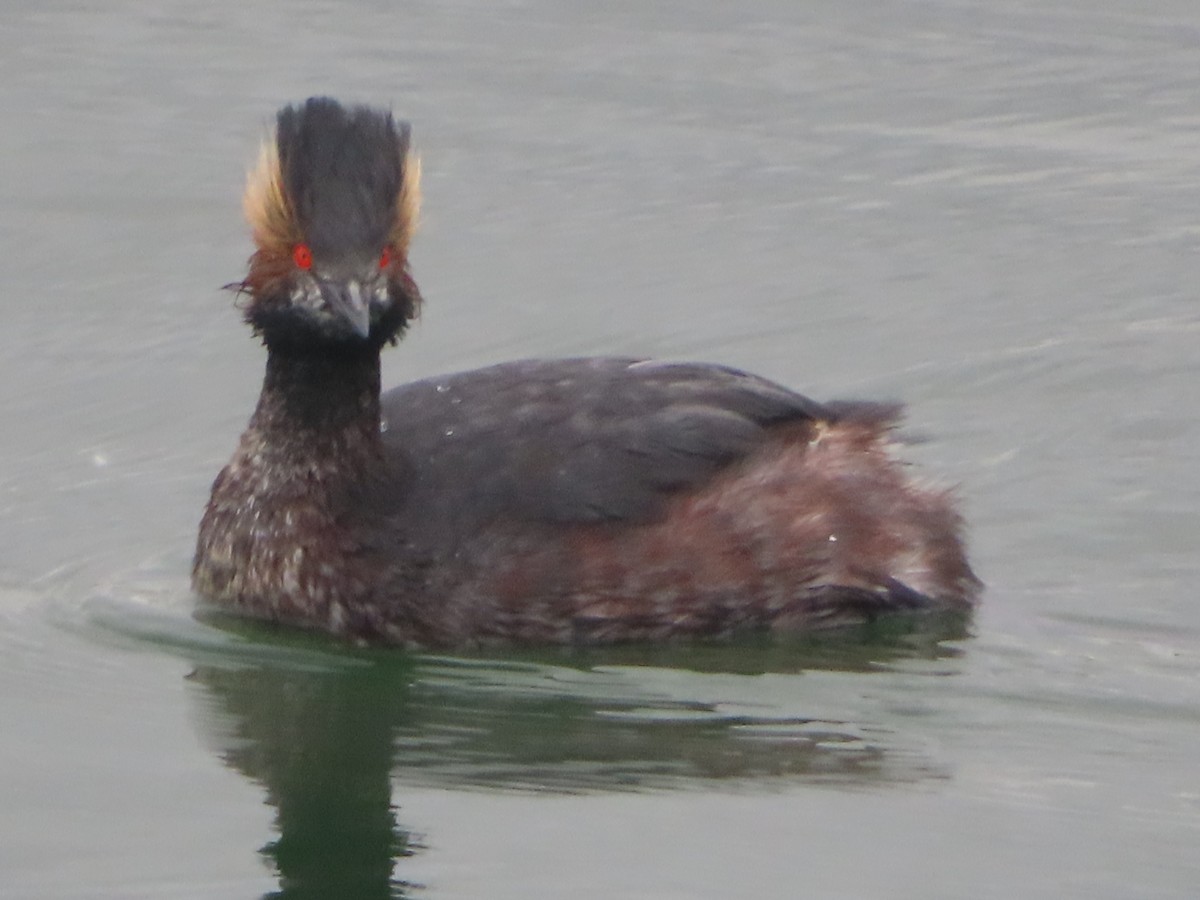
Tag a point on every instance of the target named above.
point(312, 401)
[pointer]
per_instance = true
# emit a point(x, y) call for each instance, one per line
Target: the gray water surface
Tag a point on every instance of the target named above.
point(989, 211)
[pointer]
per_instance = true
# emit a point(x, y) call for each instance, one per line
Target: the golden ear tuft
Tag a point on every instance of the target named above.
point(408, 205)
point(266, 206)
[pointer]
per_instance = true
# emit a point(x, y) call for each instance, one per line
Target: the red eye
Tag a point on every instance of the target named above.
point(302, 256)
point(385, 258)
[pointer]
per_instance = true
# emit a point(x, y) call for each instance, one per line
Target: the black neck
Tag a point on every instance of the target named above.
point(310, 400)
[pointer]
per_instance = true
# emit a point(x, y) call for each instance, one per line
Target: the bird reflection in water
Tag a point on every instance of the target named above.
point(330, 732)
point(318, 738)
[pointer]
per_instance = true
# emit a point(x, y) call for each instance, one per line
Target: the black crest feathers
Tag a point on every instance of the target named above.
point(341, 179)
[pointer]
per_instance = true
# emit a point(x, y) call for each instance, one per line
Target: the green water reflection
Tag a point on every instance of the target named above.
point(334, 736)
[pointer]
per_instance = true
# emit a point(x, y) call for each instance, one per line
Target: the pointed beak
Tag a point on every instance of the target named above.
point(351, 301)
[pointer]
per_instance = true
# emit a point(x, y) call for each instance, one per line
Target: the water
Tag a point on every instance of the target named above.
point(986, 210)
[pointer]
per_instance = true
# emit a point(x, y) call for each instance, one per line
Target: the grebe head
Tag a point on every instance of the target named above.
point(333, 206)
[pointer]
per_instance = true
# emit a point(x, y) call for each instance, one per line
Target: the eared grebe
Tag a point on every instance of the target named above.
point(575, 500)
